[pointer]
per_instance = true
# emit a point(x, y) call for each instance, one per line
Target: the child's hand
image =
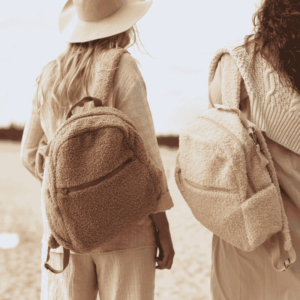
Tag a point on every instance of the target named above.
point(166, 251)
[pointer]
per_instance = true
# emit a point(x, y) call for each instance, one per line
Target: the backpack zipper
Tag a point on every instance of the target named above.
point(224, 128)
point(253, 136)
point(66, 191)
point(234, 137)
point(198, 186)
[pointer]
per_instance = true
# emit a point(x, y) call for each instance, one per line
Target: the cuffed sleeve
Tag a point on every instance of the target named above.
point(32, 135)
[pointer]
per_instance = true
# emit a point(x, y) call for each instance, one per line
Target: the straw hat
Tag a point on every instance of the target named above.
point(86, 20)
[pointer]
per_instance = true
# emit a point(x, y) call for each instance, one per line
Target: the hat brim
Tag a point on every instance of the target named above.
point(74, 30)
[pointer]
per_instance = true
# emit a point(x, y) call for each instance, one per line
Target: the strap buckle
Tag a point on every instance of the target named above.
point(252, 134)
point(287, 263)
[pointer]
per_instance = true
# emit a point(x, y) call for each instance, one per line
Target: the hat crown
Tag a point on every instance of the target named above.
point(87, 20)
point(96, 10)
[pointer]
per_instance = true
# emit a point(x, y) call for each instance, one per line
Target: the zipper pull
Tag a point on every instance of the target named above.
point(263, 159)
point(179, 175)
point(65, 191)
point(252, 133)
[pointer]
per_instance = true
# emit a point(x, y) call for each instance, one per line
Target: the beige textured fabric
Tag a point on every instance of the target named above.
point(281, 105)
point(100, 179)
point(231, 84)
point(236, 274)
point(118, 275)
point(129, 96)
point(100, 144)
point(219, 174)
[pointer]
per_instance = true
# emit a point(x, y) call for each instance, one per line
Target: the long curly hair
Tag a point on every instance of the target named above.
point(276, 36)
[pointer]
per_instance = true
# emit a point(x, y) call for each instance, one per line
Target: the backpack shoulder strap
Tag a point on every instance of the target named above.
point(105, 73)
point(278, 263)
point(231, 75)
point(231, 82)
point(66, 258)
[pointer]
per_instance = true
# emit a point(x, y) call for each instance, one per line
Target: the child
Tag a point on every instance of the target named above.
point(123, 268)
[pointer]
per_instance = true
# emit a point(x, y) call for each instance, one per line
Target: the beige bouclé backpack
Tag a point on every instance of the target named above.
point(100, 179)
point(225, 173)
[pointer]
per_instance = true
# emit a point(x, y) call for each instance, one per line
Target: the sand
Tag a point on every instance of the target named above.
point(20, 213)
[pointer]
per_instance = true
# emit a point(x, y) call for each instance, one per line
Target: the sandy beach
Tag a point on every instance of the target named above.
point(20, 213)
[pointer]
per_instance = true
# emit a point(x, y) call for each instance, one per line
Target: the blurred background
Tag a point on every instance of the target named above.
point(181, 37)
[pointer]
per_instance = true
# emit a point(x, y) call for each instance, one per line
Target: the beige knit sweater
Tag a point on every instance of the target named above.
point(281, 105)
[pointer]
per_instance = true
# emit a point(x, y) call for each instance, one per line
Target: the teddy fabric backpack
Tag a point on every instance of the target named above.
point(100, 181)
point(225, 173)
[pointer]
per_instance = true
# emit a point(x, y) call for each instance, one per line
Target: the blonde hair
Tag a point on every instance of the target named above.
point(71, 72)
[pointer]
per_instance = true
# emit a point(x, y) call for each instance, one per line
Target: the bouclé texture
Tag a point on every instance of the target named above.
point(100, 179)
point(219, 172)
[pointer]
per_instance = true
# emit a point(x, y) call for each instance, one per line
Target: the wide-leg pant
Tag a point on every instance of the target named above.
point(117, 275)
point(240, 275)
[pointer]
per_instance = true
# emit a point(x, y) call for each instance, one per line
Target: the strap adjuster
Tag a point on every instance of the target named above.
point(287, 263)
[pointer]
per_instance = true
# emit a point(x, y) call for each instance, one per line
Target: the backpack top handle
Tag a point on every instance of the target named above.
point(97, 103)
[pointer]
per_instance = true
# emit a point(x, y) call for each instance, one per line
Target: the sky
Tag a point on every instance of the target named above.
point(181, 37)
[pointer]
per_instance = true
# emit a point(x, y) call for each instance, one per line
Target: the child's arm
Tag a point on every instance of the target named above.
point(32, 135)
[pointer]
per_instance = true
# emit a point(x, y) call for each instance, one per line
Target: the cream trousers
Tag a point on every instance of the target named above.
point(118, 275)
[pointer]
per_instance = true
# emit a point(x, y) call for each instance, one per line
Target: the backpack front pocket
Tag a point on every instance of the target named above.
point(96, 213)
point(217, 209)
point(66, 191)
point(262, 214)
point(201, 187)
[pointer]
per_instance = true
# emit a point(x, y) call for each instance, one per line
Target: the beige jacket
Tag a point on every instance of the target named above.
point(280, 105)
